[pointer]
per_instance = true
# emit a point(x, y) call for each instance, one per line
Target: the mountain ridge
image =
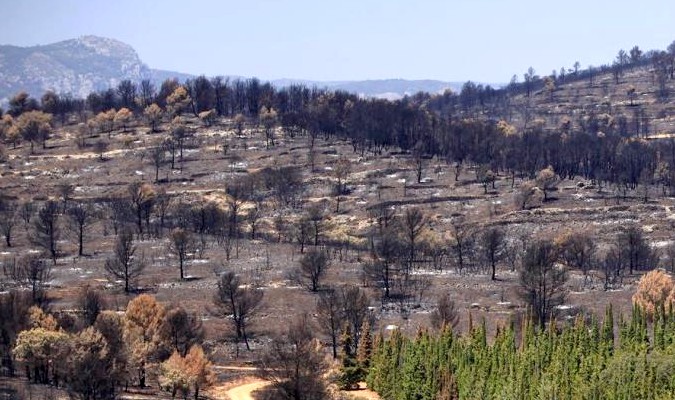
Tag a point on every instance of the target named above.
point(76, 66)
point(90, 63)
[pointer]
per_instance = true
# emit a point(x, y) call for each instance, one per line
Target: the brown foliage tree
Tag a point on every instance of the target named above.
point(111, 325)
point(34, 126)
point(143, 321)
point(123, 117)
point(86, 371)
point(153, 114)
point(40, 349)
point(191, 371)
point(654, 292)
point(105, 120)
point(546, 180)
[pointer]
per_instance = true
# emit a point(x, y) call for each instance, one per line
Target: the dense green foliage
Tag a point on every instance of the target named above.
point(583, 360)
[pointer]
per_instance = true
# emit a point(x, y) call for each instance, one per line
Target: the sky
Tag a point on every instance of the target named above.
point(452, 40)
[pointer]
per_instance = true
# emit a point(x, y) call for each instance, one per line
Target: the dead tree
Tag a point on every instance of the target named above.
point(445, 314)
point(158, 158)
point(542, 282)
point(124, 265)
point(81, 216)
point(294, 365)
point(312, 268)
point(46, 229)
point(238, 302)
point(492, 247)
point(30, 271)
point(8, 220)
point(330, 315)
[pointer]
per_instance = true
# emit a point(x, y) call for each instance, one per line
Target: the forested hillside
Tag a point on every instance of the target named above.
point(490, 243)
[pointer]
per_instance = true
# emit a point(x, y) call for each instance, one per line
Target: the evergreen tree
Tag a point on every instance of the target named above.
point(365, 347)
point(350, 372)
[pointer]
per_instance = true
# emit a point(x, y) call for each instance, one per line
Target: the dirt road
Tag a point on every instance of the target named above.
point(243, 392)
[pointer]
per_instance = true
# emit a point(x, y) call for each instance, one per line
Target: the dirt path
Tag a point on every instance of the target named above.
point(243, 392)
point(363, 393)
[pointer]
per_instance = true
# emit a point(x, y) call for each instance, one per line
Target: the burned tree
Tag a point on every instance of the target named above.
point(413, 223)
point(238, 302)
point(182, 329)
point(142, 197)
point(65, 191)
point(492, 247)
point(124, 265)
point(578, 251)
point(355, 304)
point(8, 220)
point(302, 232)
point(46, 229)
point(293, 364)
point(316, 216)
point(312, 268)
point(445, 314)
point(330, 315)
point(341, 171)
point(383, 269)
point(462, 243)
point(183, 245)
point(635, 250)
point(542, 282)
point(30, 271)
point(158, 158)
point(91, 303)
point(80, 216)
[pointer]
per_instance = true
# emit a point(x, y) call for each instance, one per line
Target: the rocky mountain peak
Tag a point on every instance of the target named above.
point(75, 66)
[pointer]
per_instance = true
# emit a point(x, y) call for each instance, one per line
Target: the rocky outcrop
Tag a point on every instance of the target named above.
point(76, 66)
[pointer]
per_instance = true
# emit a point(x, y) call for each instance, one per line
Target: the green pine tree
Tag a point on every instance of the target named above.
point(350, 372)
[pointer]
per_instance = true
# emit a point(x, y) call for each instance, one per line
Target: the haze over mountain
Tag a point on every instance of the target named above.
point(76, 66)
point(80, 66)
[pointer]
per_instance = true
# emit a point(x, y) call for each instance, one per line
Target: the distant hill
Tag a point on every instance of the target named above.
point(88, 63)
point(159, 75)
point(77, 66)
point(380, 88)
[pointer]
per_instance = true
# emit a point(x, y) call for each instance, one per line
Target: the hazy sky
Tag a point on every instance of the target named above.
point(455, 40)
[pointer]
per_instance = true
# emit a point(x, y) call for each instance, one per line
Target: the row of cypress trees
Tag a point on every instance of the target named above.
point(585, 359)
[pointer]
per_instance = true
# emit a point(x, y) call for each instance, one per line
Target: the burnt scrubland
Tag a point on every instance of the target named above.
point(174, 240)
